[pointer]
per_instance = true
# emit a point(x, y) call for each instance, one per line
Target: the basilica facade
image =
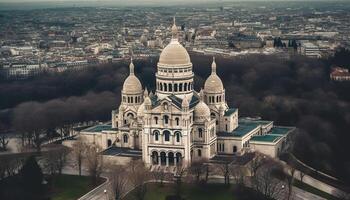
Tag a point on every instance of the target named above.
point(176, 124)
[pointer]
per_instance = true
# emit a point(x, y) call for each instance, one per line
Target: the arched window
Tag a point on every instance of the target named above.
point(234, 149)
point(180, 87)
point(212, 115)
point(166, 119)
point(128, 99)
point(226, 127)
point(175, 87)
point(130, 115)
point(170, 87)
point(124, 99)
point(125, 138)
point(165, 87)
point(161, 87)
point(131, 99)
point(185, 87)
point(189, 86)
point(199, 152)
point(177, 120)
point(177, 135)
point(166, 136)
point(200, 132)
point(156, 135)
point(217, 98)
point(156, 120)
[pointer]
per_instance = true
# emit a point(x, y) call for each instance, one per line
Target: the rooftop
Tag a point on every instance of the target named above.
point(119, 151)
point(265, 138)
point(240, 131)
point(99, 128)
point(280, 131)
point(230, 111)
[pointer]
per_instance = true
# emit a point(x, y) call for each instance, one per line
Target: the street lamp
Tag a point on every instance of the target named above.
point(105, 191)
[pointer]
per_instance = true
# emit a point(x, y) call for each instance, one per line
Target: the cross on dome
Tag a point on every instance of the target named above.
point(174, 29)
point(131, 66)
point(213, 66)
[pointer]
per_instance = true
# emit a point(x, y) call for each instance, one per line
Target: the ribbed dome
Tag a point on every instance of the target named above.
point(213, 84)
point(174, 54)
point(132, 84)
point(201, 110)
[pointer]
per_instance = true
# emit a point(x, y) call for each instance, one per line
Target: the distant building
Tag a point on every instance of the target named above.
point(20, 70)
point(340, 74)
point(310, 50)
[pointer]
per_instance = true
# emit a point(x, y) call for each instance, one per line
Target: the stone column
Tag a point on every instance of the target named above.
point(167, 161)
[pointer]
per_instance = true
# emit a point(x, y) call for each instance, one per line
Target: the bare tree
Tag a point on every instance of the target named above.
point(237, 173)
point(290, 180)
point(224, 168)
point(159, 175)
point(118, 178)
point(265, 181)
point(79, 149)
point(10, 164)
point(256, 163)
point(179, 175)
point(197, 169)
point(56, 158)
point(138, 176)
point(94, 162)
point(4, 140)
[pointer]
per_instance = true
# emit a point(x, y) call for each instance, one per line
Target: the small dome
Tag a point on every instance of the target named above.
point(147, 101)
point(213, 84)
point(132, 84)
point(201, 110)
point(140, 110)
point(174, 54)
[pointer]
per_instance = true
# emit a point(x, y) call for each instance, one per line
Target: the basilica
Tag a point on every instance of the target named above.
point(176, 124)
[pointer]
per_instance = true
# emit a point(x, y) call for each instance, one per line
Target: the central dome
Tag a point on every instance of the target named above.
point(174, 54)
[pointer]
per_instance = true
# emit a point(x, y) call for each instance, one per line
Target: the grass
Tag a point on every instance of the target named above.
point(189, 192)
point(314, 190)
point(70, 187)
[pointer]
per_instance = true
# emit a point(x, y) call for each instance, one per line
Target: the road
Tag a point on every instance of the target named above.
point(99, 194)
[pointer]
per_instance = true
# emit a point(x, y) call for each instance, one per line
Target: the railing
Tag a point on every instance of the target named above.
point(99, 189)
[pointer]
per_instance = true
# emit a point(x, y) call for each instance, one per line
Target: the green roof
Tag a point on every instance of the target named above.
point(99, 128)
point(265, 138)
point(240, 131)
point(252, 121)
point(230, 111)
point(278, 130)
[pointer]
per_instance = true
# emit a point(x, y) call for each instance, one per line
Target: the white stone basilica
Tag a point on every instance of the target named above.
point(177, 124)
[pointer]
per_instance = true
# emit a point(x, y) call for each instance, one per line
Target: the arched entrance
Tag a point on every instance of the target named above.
point(162, 158)
point(171, 158)
point(154, 157)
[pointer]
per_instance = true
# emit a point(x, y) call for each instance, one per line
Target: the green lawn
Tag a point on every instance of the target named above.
point(197, 192)
point(70, 187)
point(313, 190)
